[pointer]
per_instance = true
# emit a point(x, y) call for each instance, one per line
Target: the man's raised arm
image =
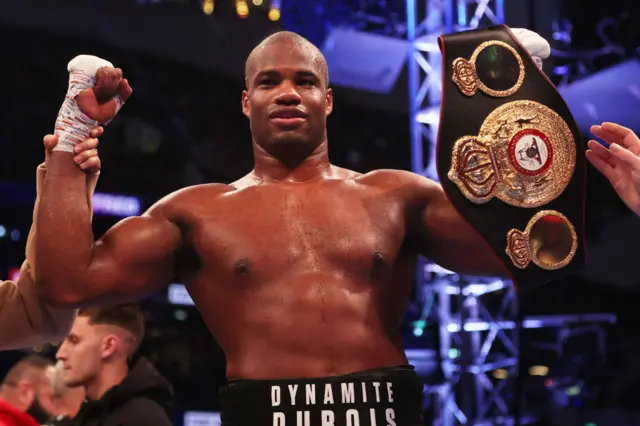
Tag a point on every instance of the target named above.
point(133, 258)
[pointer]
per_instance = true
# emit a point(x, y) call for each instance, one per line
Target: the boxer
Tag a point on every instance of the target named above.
point(25, 317)
point(301, 269)
point(618, 161)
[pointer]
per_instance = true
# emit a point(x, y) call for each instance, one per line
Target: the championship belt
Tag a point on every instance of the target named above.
point(510, 155)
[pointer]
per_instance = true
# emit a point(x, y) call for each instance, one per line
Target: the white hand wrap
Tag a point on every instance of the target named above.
point(72, 125)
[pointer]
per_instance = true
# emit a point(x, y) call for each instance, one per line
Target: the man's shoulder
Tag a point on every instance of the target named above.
point(185, 199)
point(193, 193)
point(393, 177)
point(411, 188)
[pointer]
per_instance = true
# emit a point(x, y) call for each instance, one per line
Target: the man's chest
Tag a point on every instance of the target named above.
point(315, 227)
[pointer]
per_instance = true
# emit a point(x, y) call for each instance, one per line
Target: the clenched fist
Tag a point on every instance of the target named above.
point(100, 102)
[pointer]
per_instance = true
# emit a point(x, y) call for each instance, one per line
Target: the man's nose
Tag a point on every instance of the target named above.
point(61, 354)
point(288, 95)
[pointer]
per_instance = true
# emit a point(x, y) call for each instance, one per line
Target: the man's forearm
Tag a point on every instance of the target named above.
point(64, 238)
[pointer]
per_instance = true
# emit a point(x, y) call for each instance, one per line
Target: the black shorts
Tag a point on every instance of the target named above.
point(383, 397)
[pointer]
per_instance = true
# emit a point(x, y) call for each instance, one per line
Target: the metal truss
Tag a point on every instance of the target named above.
point(478, 348)
point(476, 337)
point(313, 18)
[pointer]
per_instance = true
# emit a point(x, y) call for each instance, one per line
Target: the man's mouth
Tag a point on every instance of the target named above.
point(288, 117)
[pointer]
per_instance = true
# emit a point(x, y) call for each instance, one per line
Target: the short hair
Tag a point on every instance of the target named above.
point(294, 39)
point(26, 369)
point(127, 316)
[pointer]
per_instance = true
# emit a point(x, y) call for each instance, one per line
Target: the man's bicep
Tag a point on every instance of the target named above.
point(134, 258)
point(451, 241)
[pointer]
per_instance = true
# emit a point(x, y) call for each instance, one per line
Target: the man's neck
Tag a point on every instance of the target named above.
point(69, 403)
point(110, 376)
point(270, 169)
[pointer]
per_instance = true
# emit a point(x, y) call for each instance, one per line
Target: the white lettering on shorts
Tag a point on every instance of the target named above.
point(275, 396)
point(328, 394)
point(353, 418)
point(292, 391)
point(278, 419)
point(348, 393)
point(328, 418)
point(390, 415)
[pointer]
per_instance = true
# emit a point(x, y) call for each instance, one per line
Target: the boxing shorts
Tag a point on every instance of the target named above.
point(383, 397)
point(510, 156)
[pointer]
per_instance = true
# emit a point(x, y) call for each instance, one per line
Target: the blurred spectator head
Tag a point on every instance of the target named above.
point(27, 387)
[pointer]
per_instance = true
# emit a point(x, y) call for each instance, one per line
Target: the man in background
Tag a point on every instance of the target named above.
point(26, 394)
point(96, 356)
point(66, 400)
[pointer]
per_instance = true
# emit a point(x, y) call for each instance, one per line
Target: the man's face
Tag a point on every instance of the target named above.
point(82, 353)
point(35, 395)
point(287, 100)
point(42, 407)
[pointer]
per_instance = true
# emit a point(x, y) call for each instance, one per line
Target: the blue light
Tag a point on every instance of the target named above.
point(178, 295)
point(116, 205)
point(3, 231)
point(15, 235)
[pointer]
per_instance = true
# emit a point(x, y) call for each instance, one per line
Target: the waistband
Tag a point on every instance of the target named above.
point(390, 396)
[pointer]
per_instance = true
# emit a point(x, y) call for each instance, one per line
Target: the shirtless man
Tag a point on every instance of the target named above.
point(301, 270)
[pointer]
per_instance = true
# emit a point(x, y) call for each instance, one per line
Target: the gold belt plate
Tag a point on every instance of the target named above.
point(549, 241)
point(524, 155)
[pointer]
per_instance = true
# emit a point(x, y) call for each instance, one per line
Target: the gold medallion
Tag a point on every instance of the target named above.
point(495, 68)
point(548, 241)
point(524, 155)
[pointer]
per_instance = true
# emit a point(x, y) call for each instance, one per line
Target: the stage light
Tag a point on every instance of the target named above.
point(274, 14)
point(257, 2)
point(208, 6)
point(538, 370)
point(242, 8)
point(274, 10)
point(500, 374)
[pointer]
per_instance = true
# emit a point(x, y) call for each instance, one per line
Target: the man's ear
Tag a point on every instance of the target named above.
point(329, 101)
point(246, 105)
point(110, 344)
point(26, 392)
